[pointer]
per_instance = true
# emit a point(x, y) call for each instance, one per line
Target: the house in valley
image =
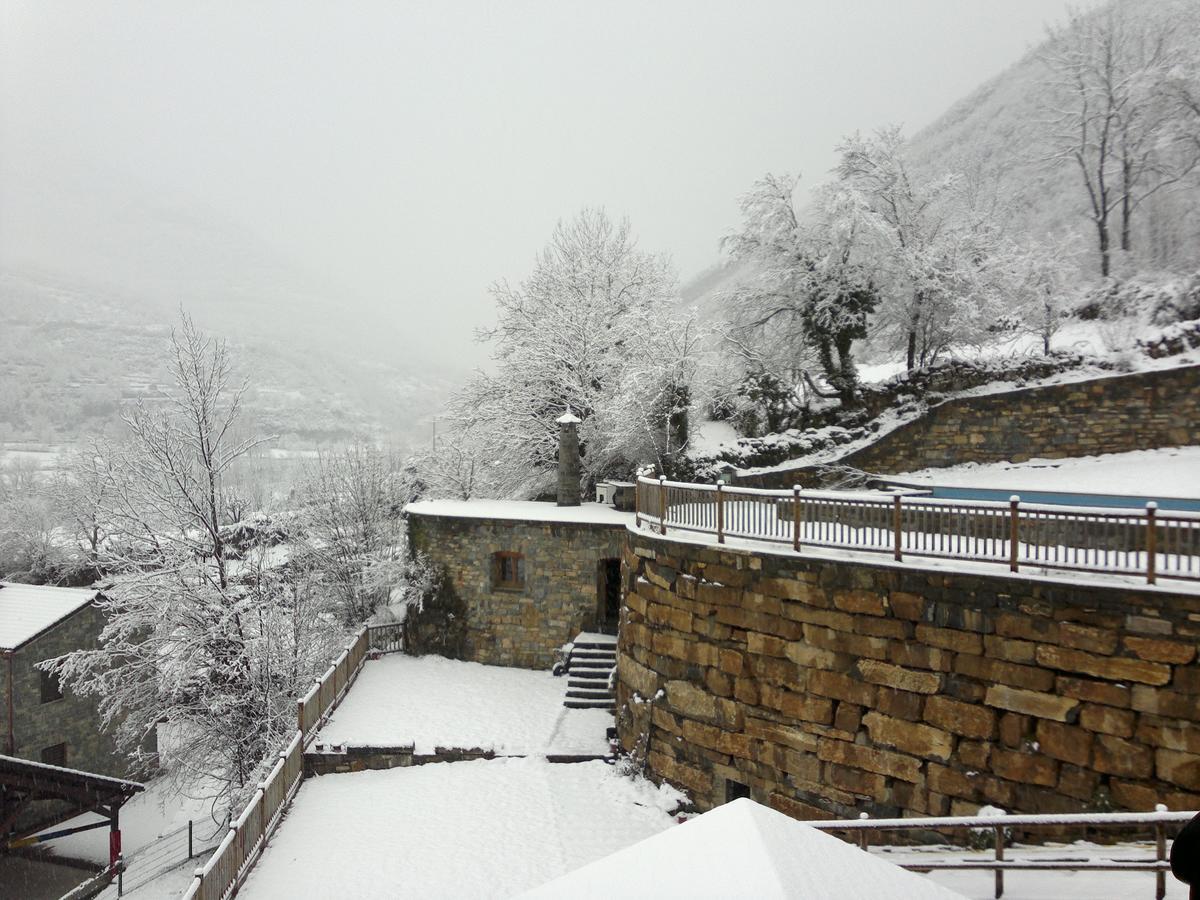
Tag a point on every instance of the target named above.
point(39, 719)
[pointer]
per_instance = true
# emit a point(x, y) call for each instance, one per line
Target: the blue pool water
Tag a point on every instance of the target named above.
point(1053, 497)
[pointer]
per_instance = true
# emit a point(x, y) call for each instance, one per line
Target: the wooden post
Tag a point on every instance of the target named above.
point(1160, 848)
point(796, 519)
point(720, 514)
point(999, 858)
point(863, 832)
point(662, 487)
point(300, 718)
point(637, 502)
point(1151, 542)
point(191, 851)
point(1014, 529)
point(896, 528)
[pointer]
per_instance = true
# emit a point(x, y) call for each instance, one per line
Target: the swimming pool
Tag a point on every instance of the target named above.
point(1057, 498)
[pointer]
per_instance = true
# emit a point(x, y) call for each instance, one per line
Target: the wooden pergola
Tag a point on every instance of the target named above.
point(23, 783)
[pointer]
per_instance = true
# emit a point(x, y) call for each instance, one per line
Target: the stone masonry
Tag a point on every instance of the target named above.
point(560, 597)
point(830, 688)
point(1104, 415)
point(72, 720)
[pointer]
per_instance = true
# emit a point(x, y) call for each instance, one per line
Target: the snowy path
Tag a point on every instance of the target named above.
point(466, 829)
point(434, 702)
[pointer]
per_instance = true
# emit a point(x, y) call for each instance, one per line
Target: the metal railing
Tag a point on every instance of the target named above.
point(1156, 823)
point(225, 870)
point(165, 852)
point(1148, 543)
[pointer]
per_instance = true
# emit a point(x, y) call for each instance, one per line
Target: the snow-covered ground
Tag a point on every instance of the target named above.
point(485, 828)
point(433, 702)
point(1169, 472)
point(497, 828)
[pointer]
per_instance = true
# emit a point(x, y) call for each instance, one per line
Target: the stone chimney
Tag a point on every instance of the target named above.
point(568, 459)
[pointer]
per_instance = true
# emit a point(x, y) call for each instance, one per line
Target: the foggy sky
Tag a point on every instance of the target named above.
point(401, 157)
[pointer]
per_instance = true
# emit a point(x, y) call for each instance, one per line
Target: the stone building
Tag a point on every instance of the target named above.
point(531, 576)
point(40, 720)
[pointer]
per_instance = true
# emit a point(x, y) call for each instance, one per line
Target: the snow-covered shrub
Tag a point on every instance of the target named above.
point(1181, 305)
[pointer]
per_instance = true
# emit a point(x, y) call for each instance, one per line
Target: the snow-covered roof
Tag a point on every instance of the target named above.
point(521, 511)
point(568, 418)
point(744, 849)
point(26, 610)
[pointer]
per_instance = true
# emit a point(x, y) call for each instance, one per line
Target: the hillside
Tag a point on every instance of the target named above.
point(70, 356)
point(995, 136)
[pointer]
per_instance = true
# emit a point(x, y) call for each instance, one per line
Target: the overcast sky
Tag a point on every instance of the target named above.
point(404, 156)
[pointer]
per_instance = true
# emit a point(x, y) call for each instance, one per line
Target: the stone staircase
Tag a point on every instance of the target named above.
point(589, 668)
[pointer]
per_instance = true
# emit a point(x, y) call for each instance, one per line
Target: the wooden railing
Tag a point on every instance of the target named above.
point(1155, 824)
point(223, 873)
point(1148, 543)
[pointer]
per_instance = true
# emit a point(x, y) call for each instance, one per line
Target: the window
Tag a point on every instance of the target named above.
point(508, 571)
point(55, 755)
point(51, 689)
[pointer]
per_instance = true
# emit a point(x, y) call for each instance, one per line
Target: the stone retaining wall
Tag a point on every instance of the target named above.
point(831, 687)
point(1104, 415)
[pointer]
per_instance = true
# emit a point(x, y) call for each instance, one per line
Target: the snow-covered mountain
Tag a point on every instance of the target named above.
point(71, 354)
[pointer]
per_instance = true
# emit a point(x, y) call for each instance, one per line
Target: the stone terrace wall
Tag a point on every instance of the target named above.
point(1105, 415)
point(560, 599)
point(831, 688)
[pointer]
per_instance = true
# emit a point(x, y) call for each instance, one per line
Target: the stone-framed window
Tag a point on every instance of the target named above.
point(55, 755)
point(50, 687)
point(508, 571)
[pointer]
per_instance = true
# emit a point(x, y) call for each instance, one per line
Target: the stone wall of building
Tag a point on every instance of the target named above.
point(72, 720)
point(561, 593)
point(1104, 415)
point(831, 687)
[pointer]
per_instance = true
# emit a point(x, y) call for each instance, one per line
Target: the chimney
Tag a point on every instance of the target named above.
point(568, 459)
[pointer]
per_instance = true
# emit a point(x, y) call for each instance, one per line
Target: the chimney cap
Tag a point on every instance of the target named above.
point(568, 418)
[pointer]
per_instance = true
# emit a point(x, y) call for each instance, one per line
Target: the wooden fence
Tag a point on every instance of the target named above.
point(1148, 543)
point(223, 873)
point(1155, 824)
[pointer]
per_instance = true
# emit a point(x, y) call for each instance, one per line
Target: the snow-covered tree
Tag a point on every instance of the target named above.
point(806, 285)
point(353, 534)
point(926, 244)
point(203, 637)
point(593, 328)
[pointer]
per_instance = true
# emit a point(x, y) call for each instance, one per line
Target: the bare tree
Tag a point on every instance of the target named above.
point(198, 637)
point(1113, 115)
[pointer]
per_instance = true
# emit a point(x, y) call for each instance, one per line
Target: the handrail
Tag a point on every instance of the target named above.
point(223, 873)
point(1000, 824)
point(1147, 542)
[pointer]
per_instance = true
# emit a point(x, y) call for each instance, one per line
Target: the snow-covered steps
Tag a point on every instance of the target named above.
point(589, 672)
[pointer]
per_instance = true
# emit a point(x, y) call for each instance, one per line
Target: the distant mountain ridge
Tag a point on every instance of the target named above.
point(71, 356)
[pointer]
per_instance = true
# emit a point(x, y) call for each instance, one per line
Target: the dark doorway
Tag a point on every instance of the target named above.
point(609, 600)
point(735, 790)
